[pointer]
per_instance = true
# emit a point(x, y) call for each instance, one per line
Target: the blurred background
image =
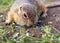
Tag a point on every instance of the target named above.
point(13, 33)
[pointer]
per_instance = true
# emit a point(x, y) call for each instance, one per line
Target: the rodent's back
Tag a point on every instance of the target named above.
point(17, 3)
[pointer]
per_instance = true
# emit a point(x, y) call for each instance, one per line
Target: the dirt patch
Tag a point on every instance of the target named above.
point(53, 16)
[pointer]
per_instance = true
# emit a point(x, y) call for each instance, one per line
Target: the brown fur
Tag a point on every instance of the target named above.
point(29, 7)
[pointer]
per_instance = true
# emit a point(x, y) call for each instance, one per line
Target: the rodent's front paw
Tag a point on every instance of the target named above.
point(44, 15)
point(7, 22)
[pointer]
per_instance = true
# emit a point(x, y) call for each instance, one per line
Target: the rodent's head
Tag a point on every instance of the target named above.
point(27, 14)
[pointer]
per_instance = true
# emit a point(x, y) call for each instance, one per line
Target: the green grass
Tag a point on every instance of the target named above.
point(48, 37)
point(5, 4)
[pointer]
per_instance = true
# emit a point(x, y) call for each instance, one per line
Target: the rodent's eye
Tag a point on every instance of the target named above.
point(25, 16)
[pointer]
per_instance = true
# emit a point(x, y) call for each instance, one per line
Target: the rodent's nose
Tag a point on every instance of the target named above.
point(39, 24)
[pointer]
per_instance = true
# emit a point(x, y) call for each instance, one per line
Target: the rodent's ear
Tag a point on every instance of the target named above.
point(20, 8)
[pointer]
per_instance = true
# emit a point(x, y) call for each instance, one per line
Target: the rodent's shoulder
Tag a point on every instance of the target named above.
point(18, 3)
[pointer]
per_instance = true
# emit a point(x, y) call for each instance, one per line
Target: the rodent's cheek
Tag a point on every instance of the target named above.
point(19, 20)
point(29, 22)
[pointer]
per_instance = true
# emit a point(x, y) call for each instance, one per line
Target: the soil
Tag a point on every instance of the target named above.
point(53, 17)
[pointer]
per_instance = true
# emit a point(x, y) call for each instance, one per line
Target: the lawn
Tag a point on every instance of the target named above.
point(13, 33)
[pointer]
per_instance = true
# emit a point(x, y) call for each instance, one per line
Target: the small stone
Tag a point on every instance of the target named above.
point(50, 22)
point(27, 34)
point(54, 15)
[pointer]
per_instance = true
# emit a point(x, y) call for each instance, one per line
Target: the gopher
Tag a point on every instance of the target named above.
point(24, 12)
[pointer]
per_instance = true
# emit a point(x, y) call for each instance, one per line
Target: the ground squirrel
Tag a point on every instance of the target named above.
point(24, 12)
